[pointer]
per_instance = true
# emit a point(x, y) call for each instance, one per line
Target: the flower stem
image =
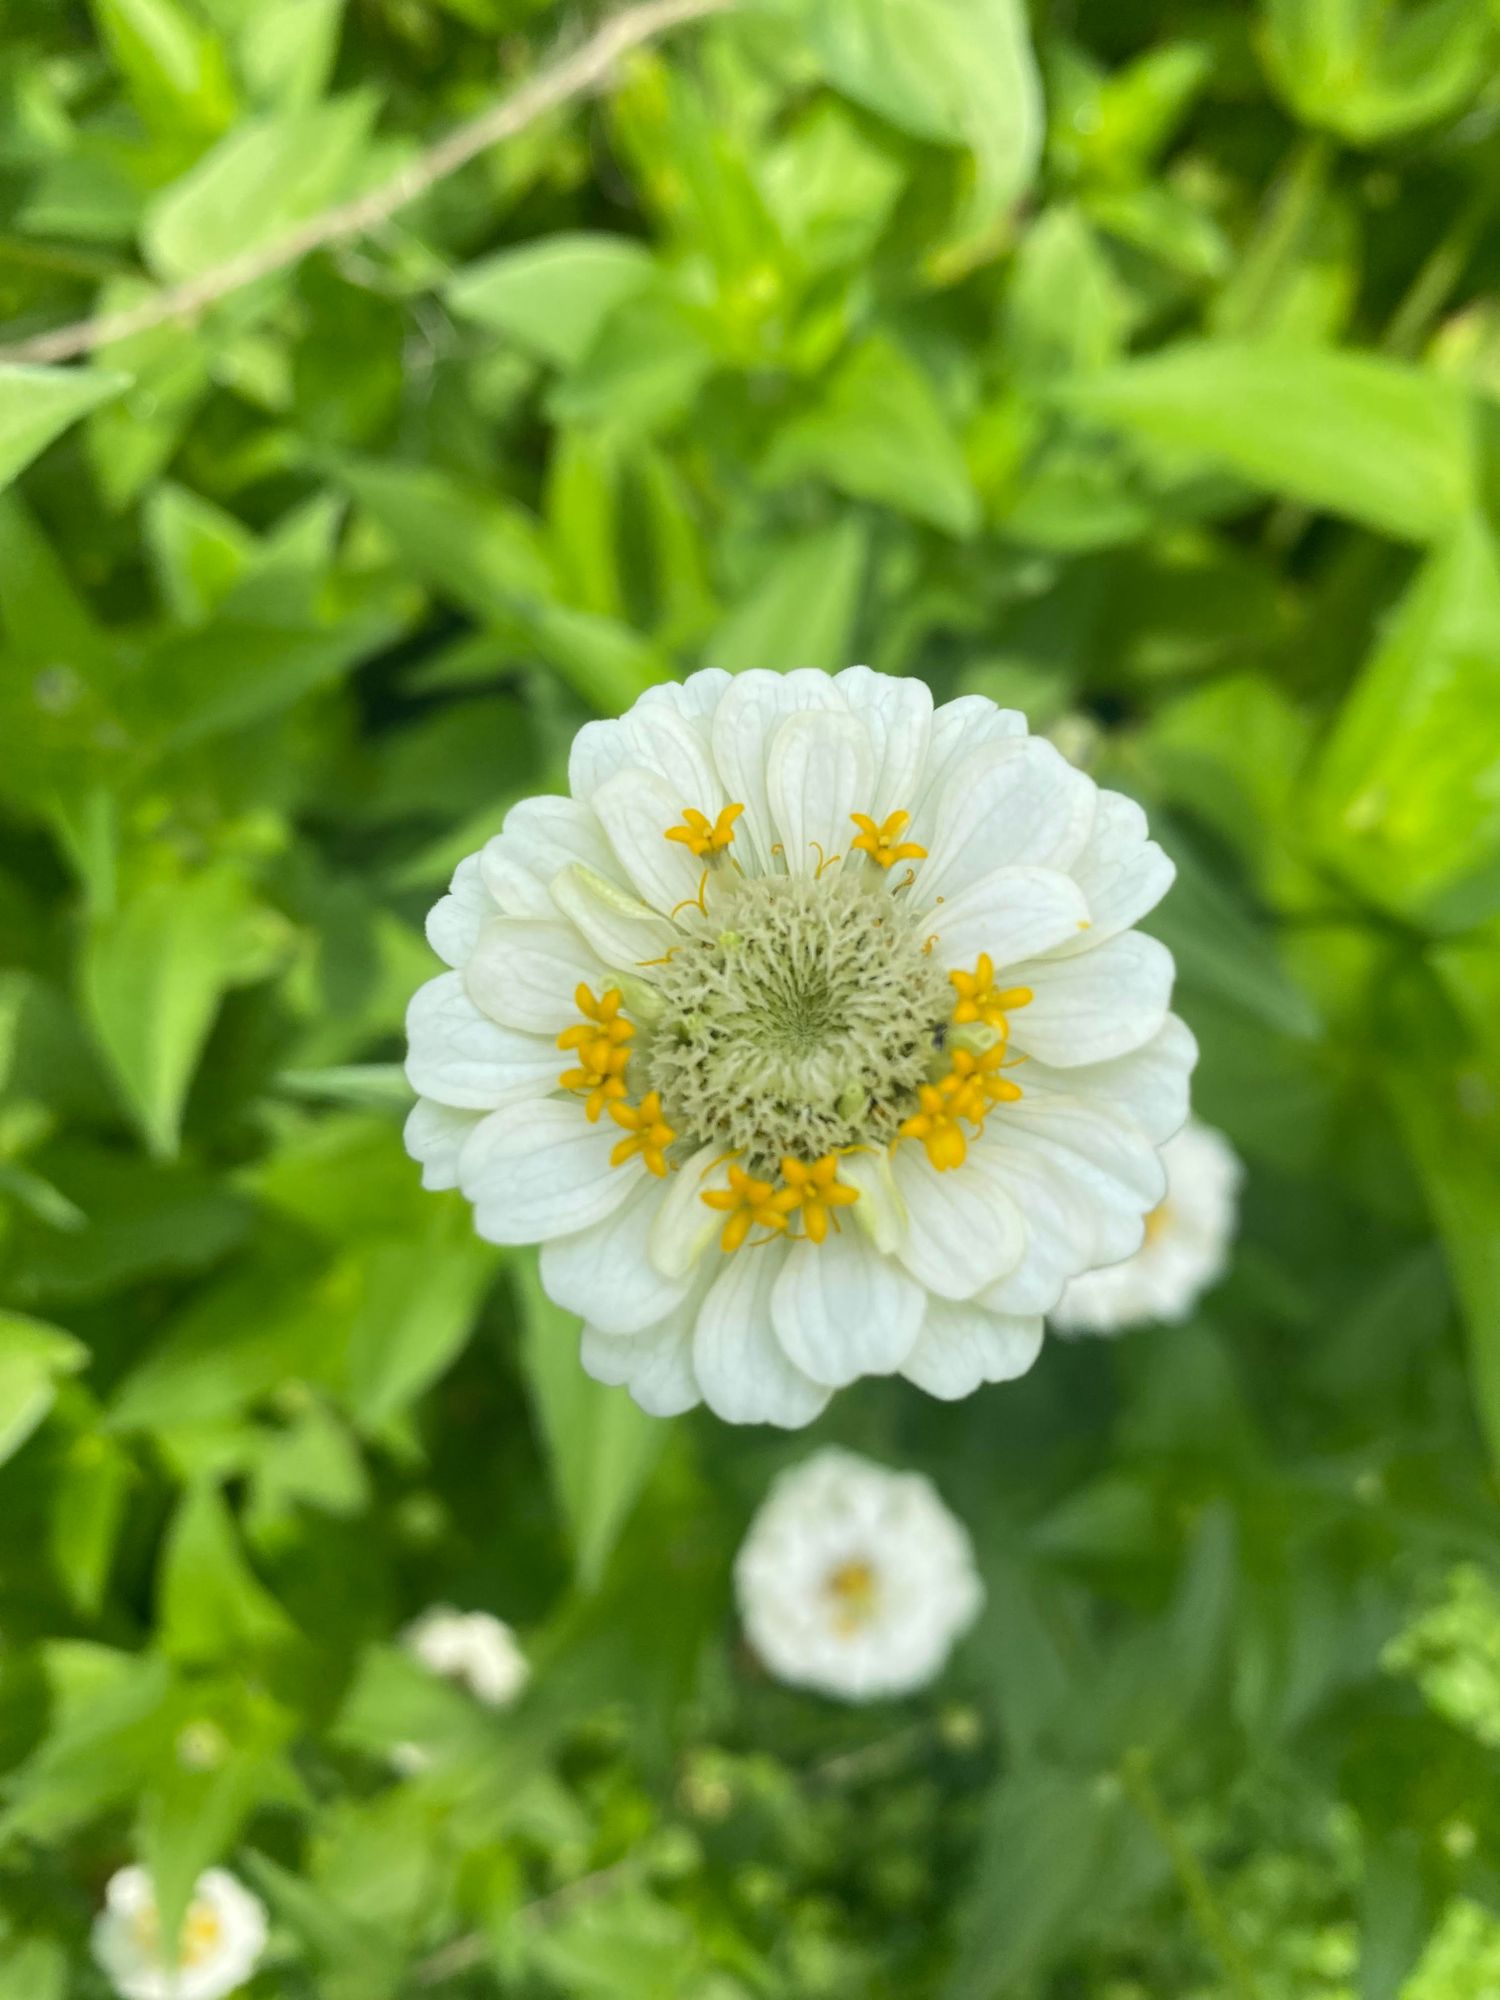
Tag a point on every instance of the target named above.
point(1197, 1891)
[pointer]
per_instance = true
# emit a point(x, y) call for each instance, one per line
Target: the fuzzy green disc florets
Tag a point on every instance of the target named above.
point(800, 1022)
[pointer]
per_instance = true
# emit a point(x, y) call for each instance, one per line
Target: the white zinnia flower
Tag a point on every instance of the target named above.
point(473, 1648)
point(1188, 1235)
point(854, 1580)
point(809, 1036)
point(222, 1938)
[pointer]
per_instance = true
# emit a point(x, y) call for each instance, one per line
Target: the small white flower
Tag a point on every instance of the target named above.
point(477, 1651)
point(854, 1580)
point(222, 1939)
point(1188, 1237)
point(810, 1037)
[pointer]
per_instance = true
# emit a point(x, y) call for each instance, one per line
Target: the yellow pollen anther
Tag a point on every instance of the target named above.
point(649, 1134)
point(855, 1591)
point(969, 1092)
point(700, 835)
point(747, 1201)
point(883, 843)
point(818, 1191)
point(600, 1040)
point(978, 1000)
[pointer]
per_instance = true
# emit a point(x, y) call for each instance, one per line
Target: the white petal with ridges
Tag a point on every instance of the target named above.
point(742, 1370)
point(637, 810)
point(656, 1366)
point(604, 1274)
point(841, 1310)
point(1121, 871)
point(962, 1346)
point(1096, 1006)
point(1013, 805)
point(461, 1058)
point(1150, 1086)
point(1010, 914)
point(455, 921)
point(1108, 1160)
point(963, 1229)
point(626, 933)
point(818, 772)
point(539, 837)
point(685, 1225)
point(525, 974)
point(897, 712)
point(753, 707)
point(536, 1171)
point(434, 1135)
point(958, 729)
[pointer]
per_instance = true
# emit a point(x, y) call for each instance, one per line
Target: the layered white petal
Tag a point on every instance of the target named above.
point(536, 1171)
point(605, 1274)
point(841, 1310)
point(525, 974)
point(1149, 1086)
point(753, 707)
point(957, 730)
point(1121, 870)
point(1106, 1160)
point(656, 1365)
point(897, 713)
point(963, 1345)
point(540, 836)
point(963, 1229)
point(637, 809)
point(459, 1057)
point(742, 1369)
point(1012, 805)
point(1096, 1006)
point(601, 749)
point(626, 933)
point(1010, 914)
point(685, 1225)
point(434, 1135)
point(455, 921)
point(818, 773)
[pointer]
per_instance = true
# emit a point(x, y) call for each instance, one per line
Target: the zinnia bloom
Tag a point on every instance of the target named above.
point(223, 1936)
point(854, 1580)
point(809, 1036)
point(1188, 1237)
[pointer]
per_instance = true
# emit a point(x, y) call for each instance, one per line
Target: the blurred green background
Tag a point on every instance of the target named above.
point(1134, 365)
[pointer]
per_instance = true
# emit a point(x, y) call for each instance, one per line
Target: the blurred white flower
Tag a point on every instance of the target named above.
point(223, 1936)
point(808, 969)
point(1186, 1251)
point(855, 1580)
point(471, 1648)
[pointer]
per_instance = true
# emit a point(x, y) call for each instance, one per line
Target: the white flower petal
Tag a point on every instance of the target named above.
point(880, 1212)
point(459, 1057)
point(1059, 1208)
point(818, 772)
point(1012, 805)
point(685, 1224)
point(540, 836)
point(753, 707)
point(745, 1376)
point(604, 1274)
point(1121, 870)
point(1105, 1157)
point(1149, 1086)
point(898, 714)
point(625, 932)
point(1010, 914)
point(525, 974)
point(535, 1171)
point(601, 749)
point(963, 1230)
point(1101, 1004)
point(962, 1345)
point(434, 1135)
point(656, 1366)
point(841, 1310)
point(958, 729)
point(676, 747)
point(455, 921)
point(638, 809)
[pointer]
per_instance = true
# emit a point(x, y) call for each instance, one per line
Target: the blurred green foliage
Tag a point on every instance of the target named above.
point(1136, 365)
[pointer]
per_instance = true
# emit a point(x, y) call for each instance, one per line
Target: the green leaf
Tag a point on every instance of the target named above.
point(268, 173)
point(552, 297)
point(173, 66)
point(1370, 70)
point(210, 1604)
point(418, 1302)
point(802, 610)
point(955, 72)
point(154, 971)
point(484, 552)
point(600, 1446)
point(287, 48)
point(1408, 789)
point(38, 404)
point(199, 551)
point(1386, 445)
point(878, 432)
point(33, 1356)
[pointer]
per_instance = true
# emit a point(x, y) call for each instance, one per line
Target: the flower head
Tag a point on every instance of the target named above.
point(1188, 1236)
point(473, 1649)
point(218, 1948)
point(809, 1036)
point(854, 1580)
